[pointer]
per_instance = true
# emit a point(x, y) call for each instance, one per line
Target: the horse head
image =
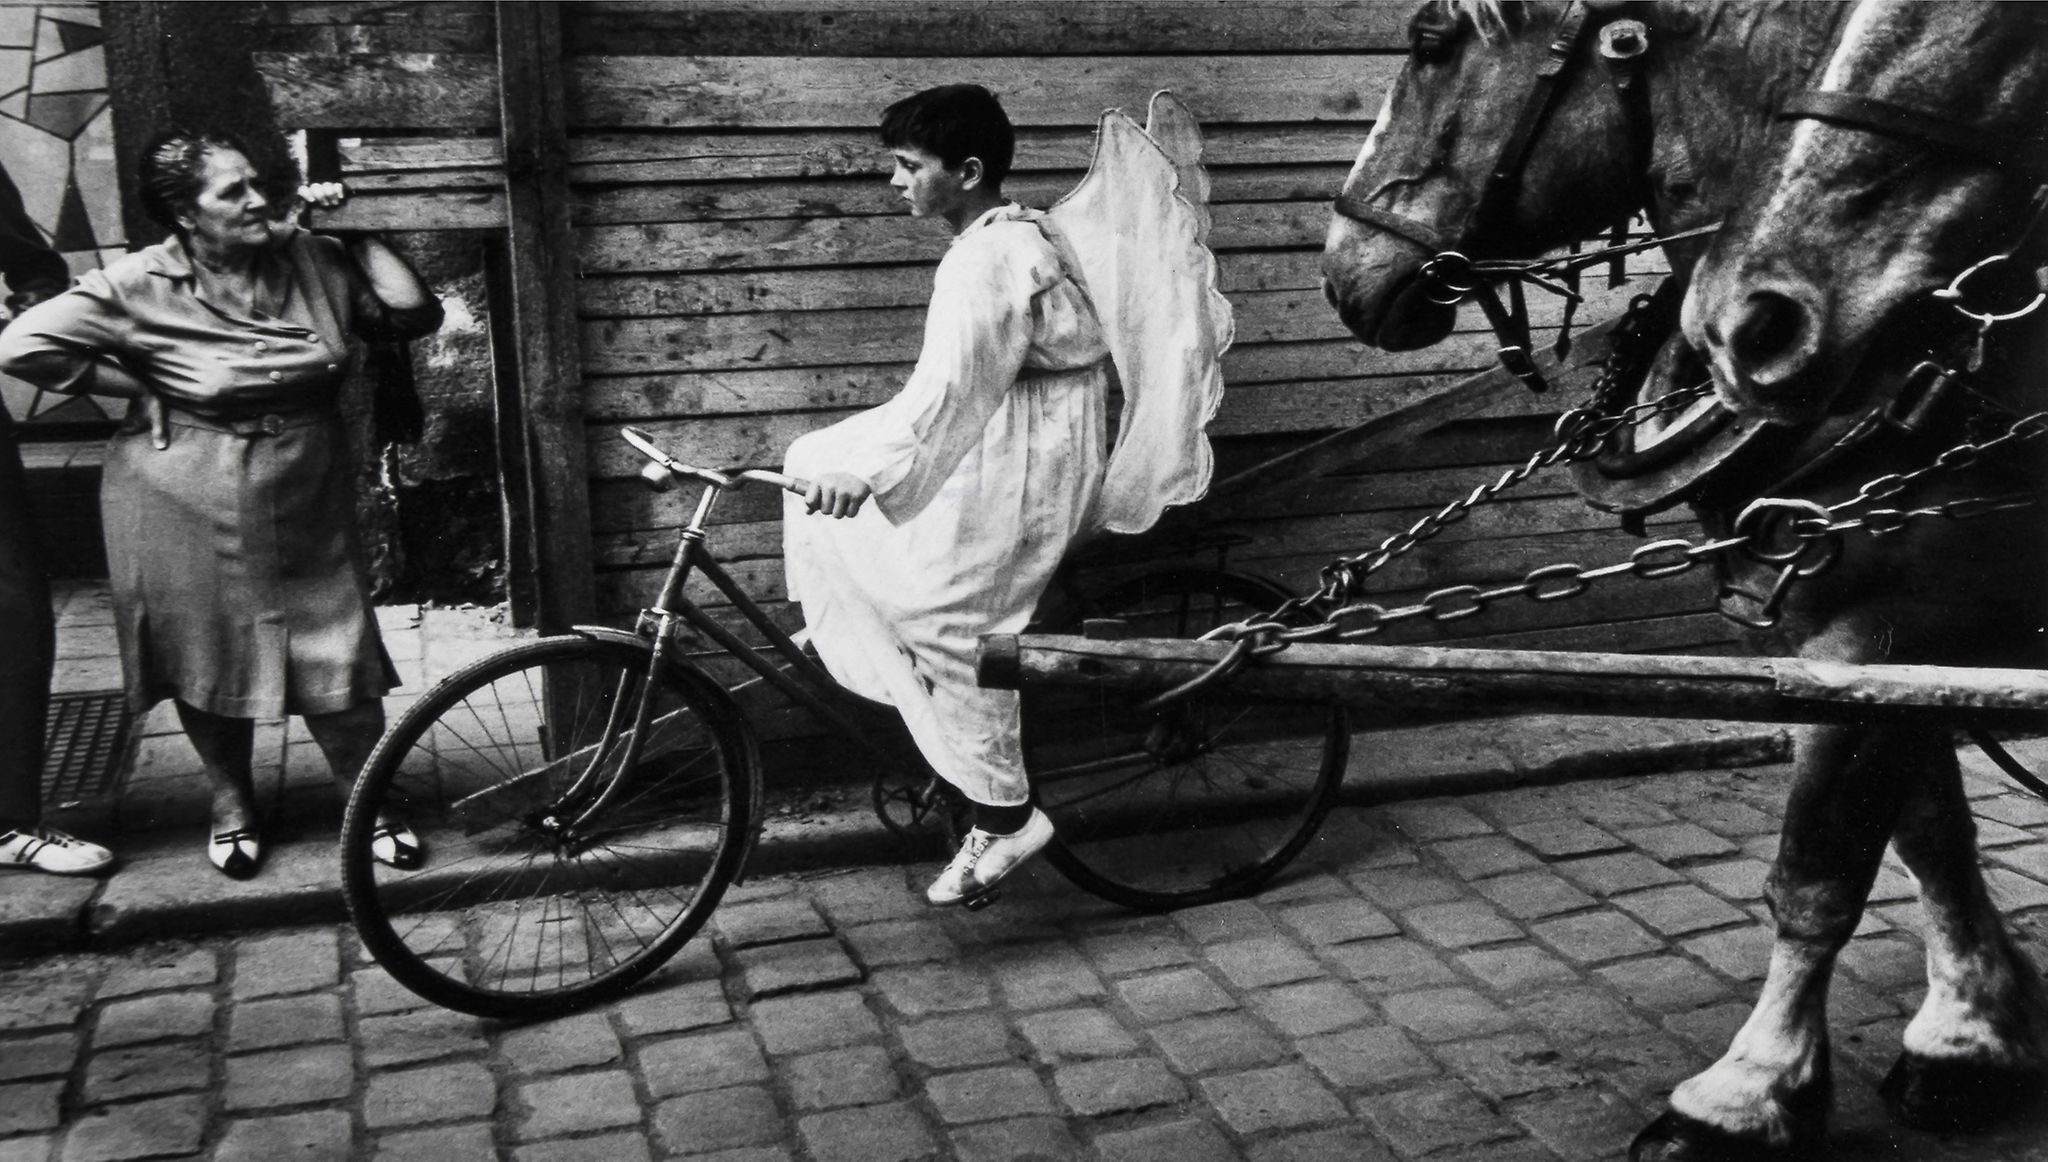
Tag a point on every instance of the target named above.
point(1915, 158)
point(1424, 182)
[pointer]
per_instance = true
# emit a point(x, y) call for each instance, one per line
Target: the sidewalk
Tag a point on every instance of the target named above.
point(156, 820)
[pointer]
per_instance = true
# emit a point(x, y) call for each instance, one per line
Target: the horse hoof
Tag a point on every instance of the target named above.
point(1928, 1093)
point(1673, 1137)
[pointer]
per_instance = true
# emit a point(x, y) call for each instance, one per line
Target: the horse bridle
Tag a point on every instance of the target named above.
point(1448, 276)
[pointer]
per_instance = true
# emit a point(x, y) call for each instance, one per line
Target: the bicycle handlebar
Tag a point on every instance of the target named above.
point(664, 466)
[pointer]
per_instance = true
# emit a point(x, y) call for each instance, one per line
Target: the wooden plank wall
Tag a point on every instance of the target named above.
point(747, 274)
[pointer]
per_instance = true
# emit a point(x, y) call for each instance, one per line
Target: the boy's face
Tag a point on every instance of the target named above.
point(932, 190)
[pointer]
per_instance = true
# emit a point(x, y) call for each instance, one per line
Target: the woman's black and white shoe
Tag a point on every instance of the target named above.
point(984, 859)
point(237, 852)
point(393, 844)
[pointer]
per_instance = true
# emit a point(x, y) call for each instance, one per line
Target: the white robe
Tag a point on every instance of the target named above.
point(984, 468)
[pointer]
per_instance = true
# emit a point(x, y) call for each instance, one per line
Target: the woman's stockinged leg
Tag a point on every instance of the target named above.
point(346, 738)
point(225, 746)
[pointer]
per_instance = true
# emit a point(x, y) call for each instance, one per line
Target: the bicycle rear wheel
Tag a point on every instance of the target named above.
point(554, 876)
point(1204, 800)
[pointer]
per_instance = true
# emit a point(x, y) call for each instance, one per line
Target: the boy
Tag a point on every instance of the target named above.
point(957, 498)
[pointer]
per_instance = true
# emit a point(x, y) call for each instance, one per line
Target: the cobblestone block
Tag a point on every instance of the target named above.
point(701, 1062)
point(770, 970)
point(1370, 1056)
point(2013, 890)
point(1643, 1068)
point(1187, 1141)
point(1170, 996)
point(1459, 925)
point(580, 1041)
point(1626, 871)
point(2030, 861)
point(289, 1077)
point(1303, 1010)
point(951, 1042)
point(1595, 937)
point(1045, 976)
point(1262, 961)
point(720, 1119)
point(1280, 1097)
point(1570, 1016)
point(1017, 1140)
point(1330, 922)
point(29, 1106)
point(867, 896)
point(316, 1135)
point(1516, 968)
point(983, 1095)
point(49, 1055)
point(282, 1021)
point(922, 990)
point(1580, 1123)
point(437, 1093)
point(884, 1133)
point(376, 994)
point(1437, 1116)
point(1121, 1085)
point(1679, 910)
point(1991, 833)
point(188, 1014)
point(1711, 1029)
point(682, 1007)
point(1229, 920)
point(1397, 964)
point(145, 1129)
point(1447, 1014)
point(1727, 817)
point(42, 998)
point(38, 1149)
point(769, 922)
point(424, 1035)
point(621, 1147)
point(1740, 953)
point(1481, 856)
point(1887, 964)
point(1143, 947)
point(1672, 842)
point(861, 1075)
point(145, 1071)
point(294, 962)
point(1613, 808)
point(1400, 888)
point(1559, 837)
point(2013, 810)
point(1340, 1144)
point(1533, 895)
point(1510, 1066)
point(1427, 821)
point(465, 1143)
point(899, 942)
point(1367, 840)
point(1075, 1034)
point(1850, 1003)
point(1735, 879)
point(157, 969)
point(555, 1107)
point(1222, 1041)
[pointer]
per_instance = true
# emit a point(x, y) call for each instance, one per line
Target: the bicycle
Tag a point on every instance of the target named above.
point(585, 799)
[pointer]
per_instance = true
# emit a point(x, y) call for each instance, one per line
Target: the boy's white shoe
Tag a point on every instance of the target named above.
point(985, 859)
point(46, 849)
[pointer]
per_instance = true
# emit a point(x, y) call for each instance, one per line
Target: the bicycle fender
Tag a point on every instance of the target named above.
point(720, 702)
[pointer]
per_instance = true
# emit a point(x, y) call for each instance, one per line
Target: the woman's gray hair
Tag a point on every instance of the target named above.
point(173, 170)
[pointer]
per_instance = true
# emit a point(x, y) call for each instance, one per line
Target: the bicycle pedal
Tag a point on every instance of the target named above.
point(977, 903)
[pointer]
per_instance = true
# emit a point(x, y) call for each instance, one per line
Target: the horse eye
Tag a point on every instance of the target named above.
point(1433, 31)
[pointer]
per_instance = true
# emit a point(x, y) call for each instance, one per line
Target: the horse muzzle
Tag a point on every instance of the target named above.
point(1762, 339)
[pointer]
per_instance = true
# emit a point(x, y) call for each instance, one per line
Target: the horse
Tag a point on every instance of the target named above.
point(1516, 128)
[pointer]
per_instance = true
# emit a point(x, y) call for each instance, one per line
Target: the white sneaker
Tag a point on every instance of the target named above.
point(47, 849)
point(985, 859)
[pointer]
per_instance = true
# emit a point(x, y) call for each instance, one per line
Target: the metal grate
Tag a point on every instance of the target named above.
point(85, 741)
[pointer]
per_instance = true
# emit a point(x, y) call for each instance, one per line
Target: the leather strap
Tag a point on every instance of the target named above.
point(1996, 148)
point(1399, 225)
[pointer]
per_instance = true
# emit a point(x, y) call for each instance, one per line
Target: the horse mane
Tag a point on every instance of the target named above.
point(1488, 18)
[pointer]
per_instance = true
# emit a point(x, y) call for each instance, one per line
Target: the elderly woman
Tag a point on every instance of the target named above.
point(238, 584)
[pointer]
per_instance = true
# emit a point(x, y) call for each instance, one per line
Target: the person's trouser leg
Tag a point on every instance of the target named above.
point(28, 649)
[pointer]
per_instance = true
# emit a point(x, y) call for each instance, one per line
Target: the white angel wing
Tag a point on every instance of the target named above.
point(1136, 230)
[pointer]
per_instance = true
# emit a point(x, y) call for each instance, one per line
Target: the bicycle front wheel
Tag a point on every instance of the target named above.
point(562, 863)
point(1204, 800)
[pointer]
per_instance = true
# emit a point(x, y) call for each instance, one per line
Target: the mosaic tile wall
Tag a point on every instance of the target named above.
point(57, 143)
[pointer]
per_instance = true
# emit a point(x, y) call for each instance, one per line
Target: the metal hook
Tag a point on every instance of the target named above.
point(1953, 294)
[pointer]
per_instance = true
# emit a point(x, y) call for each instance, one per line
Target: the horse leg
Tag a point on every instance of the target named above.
point(1974, 1051)
point(1768, 1096)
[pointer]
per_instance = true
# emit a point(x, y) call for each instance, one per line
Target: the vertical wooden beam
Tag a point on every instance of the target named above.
point(541, 269)
point(140, 91)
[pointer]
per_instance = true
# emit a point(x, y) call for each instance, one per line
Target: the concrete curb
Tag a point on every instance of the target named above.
point(163, 885)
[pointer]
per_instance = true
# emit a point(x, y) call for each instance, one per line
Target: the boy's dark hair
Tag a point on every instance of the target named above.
point(954, 122)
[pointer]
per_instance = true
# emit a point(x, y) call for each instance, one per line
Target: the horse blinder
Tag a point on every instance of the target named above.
point(1434, 30)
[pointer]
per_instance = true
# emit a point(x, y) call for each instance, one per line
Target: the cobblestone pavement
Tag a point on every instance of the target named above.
point(1511, 976)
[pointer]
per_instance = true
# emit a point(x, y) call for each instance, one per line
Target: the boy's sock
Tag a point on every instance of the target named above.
point(1002, 820)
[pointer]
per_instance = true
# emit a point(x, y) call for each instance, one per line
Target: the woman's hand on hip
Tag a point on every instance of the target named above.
point(837, 494)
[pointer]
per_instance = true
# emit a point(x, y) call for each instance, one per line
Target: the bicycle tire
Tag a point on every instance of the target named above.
point(1204, 801)
point(538, 895)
